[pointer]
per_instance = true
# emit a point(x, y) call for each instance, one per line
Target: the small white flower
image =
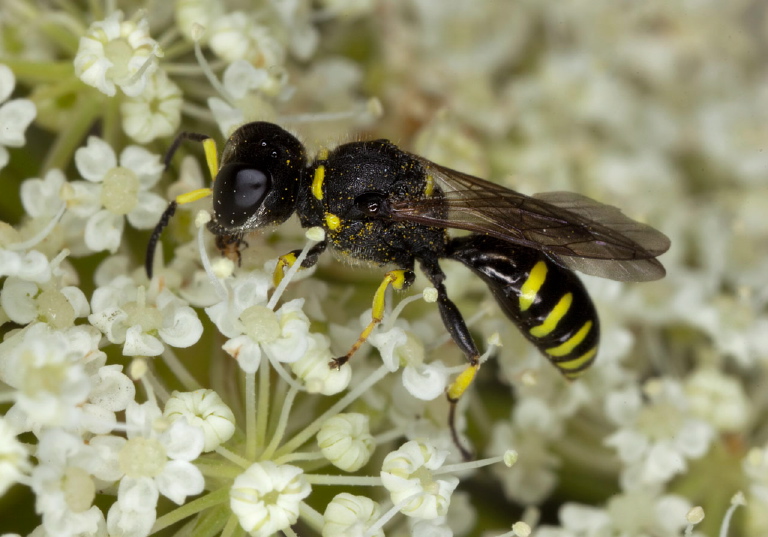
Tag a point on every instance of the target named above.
point(253, 328)
point(14, 459)
point(126, 316)
point(237, 36)
point(534, 476)
point(346, 441)
point(156, 459)
point(312, 368)
point(191, 13)
point(206, 410)
point(408, 475)
point(15, 115)
point(50, 380)
point(399, 347)
point(63, 485)
point(155, 113)
point(266, 497)
point(122, 189)
point(655, 438)
point(718, 399)
point(351, 516)
point(117, 52)
point(25, 301)
point(32, 266)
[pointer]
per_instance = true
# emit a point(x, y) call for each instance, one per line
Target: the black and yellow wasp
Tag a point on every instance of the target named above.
point(380, 204)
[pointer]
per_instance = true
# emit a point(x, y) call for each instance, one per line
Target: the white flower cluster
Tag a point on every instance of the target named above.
point(210, 387)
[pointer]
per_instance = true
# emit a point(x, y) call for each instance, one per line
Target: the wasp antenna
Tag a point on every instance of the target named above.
point(184, 135)
point(161, 225)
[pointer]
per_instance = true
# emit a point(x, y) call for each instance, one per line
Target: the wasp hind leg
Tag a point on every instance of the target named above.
point(457, 328)
point(399, 279)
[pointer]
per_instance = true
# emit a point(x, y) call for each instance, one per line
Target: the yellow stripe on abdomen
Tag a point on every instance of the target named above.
point(567, 346)
point(557, 313)
point(530, 289)
point(573, 368)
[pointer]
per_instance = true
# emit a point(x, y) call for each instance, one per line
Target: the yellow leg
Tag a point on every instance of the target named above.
point(398, 279)
point(284, 262)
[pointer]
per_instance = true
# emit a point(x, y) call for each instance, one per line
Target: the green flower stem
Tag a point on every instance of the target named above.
point(340, 405)
point(31, 73)
point(65, 40)
point(232, 529)
point(250, 416)
point(195, 506)
point(346, 480)
point(262, 419)
point(111, 130)
point(311, 517)
point(218, 469)
point(281, 425)
point(179, 371)
point(83, 116)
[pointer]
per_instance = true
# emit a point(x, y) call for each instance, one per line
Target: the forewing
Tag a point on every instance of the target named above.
point(575, 231)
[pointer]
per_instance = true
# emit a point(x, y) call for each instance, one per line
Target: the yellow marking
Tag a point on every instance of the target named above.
point(557, 313)
point(189, 197)
point(462, 382)
point(567, 346)
point(317, 182)
point(322, 154)
point(211, 157)
point(395, 278)
point(430, 186)
point(530, 288)
point(332, 221)
point(284, 262)
point(571, 368)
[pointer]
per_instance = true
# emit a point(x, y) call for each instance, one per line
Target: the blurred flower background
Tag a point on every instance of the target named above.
point(124, 412)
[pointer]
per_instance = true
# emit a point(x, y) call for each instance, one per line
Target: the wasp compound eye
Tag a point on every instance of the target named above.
point(240, 193)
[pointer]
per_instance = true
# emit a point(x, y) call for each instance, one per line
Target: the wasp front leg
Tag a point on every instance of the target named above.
point(285, 262)
point(398, 279)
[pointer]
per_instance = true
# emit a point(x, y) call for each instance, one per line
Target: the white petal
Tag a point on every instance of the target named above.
point(137, 494)
point(178, 480)
point(77, 300)
point(103, 231)
point(138, 343)
point(112, 389)
point(146, 165)
point(148, 210)
point(17, 299)
point(426, 382)
point(182, 441)
point(15, 117)
point(129, 523)
point(95, 159)
point(181, 328)
point(245, 351)
point(7, 82)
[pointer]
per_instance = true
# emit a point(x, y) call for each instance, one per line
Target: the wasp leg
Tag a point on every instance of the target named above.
point(398, 279)
point(286, 261)
point(457, 328)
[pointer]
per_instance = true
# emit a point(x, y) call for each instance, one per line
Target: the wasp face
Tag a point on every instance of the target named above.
point(258, 181)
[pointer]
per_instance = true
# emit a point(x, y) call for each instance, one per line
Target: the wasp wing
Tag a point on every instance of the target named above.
point(573, 230)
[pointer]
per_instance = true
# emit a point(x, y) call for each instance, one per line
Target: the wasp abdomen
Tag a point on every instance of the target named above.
point(548, 303)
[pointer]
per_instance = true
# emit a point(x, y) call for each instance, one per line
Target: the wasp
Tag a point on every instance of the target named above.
point(385, 206)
